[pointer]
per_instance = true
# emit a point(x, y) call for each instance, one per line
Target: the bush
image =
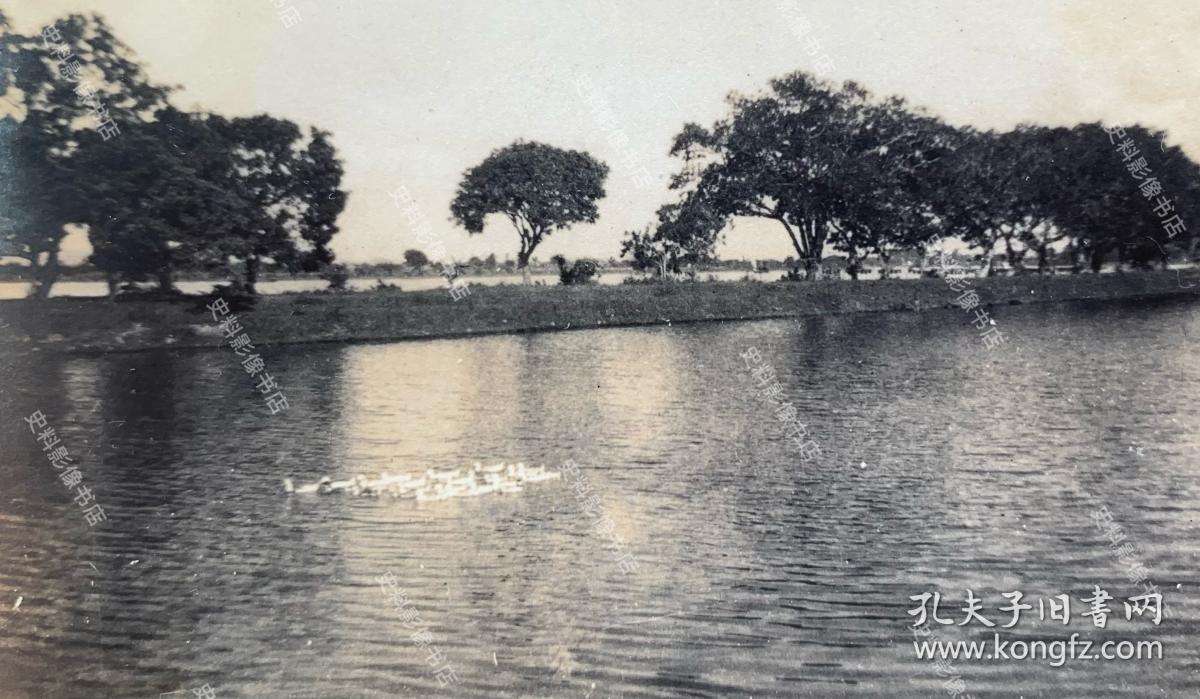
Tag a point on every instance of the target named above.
point(133, 292)
point(337, 276)
point(234, 294)
point(582, 272)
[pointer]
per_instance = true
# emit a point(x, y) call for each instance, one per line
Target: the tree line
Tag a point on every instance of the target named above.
point(843, 171)
point(839, 169)
point(167, 189)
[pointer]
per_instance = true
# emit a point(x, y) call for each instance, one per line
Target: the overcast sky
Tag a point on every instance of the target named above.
point(415, 92)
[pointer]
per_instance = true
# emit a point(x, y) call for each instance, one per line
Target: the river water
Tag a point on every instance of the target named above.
point(945, 466)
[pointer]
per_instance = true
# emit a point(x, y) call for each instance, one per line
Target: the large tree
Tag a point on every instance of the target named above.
point(884, 204)
point(164, 200)
point(292, 191)
point(537, 187)
point(51, 114)
point(205, 192)
point(319, 198)
point(1117, 203)
point(992, 192)
point(805, 154)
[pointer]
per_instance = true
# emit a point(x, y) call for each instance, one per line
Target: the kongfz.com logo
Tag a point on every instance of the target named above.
point(1056, 652)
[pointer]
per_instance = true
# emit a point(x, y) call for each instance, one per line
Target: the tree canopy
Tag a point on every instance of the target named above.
point(835, 166)
point(686, 233)
point(73, 77)
point(537, 187)
point(158, 188)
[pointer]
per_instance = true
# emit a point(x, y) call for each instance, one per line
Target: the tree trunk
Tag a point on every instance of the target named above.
point(853, 264)
point(1076, 256)
point(1096, 259)
point(44, 275)
point(166, 281)
point(110, 280)
point(925, 261)
point(812, 268)
point(1015, 261)
point(816, 245)
point(523, 265)
point(252, 264)
point(987, 267)
point(1043, 258)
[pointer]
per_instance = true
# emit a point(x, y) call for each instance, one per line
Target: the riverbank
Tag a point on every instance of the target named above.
point(98, 325)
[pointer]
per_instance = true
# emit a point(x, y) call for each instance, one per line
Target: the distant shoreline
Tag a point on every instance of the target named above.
point(87, 325)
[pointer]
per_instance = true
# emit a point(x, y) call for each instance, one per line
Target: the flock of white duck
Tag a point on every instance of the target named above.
point(434, 484)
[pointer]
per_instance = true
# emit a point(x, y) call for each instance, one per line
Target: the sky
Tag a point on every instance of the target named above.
point(415, 92)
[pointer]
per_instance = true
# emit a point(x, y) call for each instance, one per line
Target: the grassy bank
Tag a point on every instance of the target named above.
point(90, 325)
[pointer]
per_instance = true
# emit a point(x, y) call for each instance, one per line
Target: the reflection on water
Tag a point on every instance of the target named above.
point(945, 466)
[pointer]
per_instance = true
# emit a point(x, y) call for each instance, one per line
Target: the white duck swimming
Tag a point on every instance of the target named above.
point(435, 484)
point(290, 486)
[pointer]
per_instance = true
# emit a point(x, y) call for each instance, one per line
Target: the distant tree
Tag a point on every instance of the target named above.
point(337, 275)
point(416, 259)
point(538, 187)
point(474, 262)
point(490, 261)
